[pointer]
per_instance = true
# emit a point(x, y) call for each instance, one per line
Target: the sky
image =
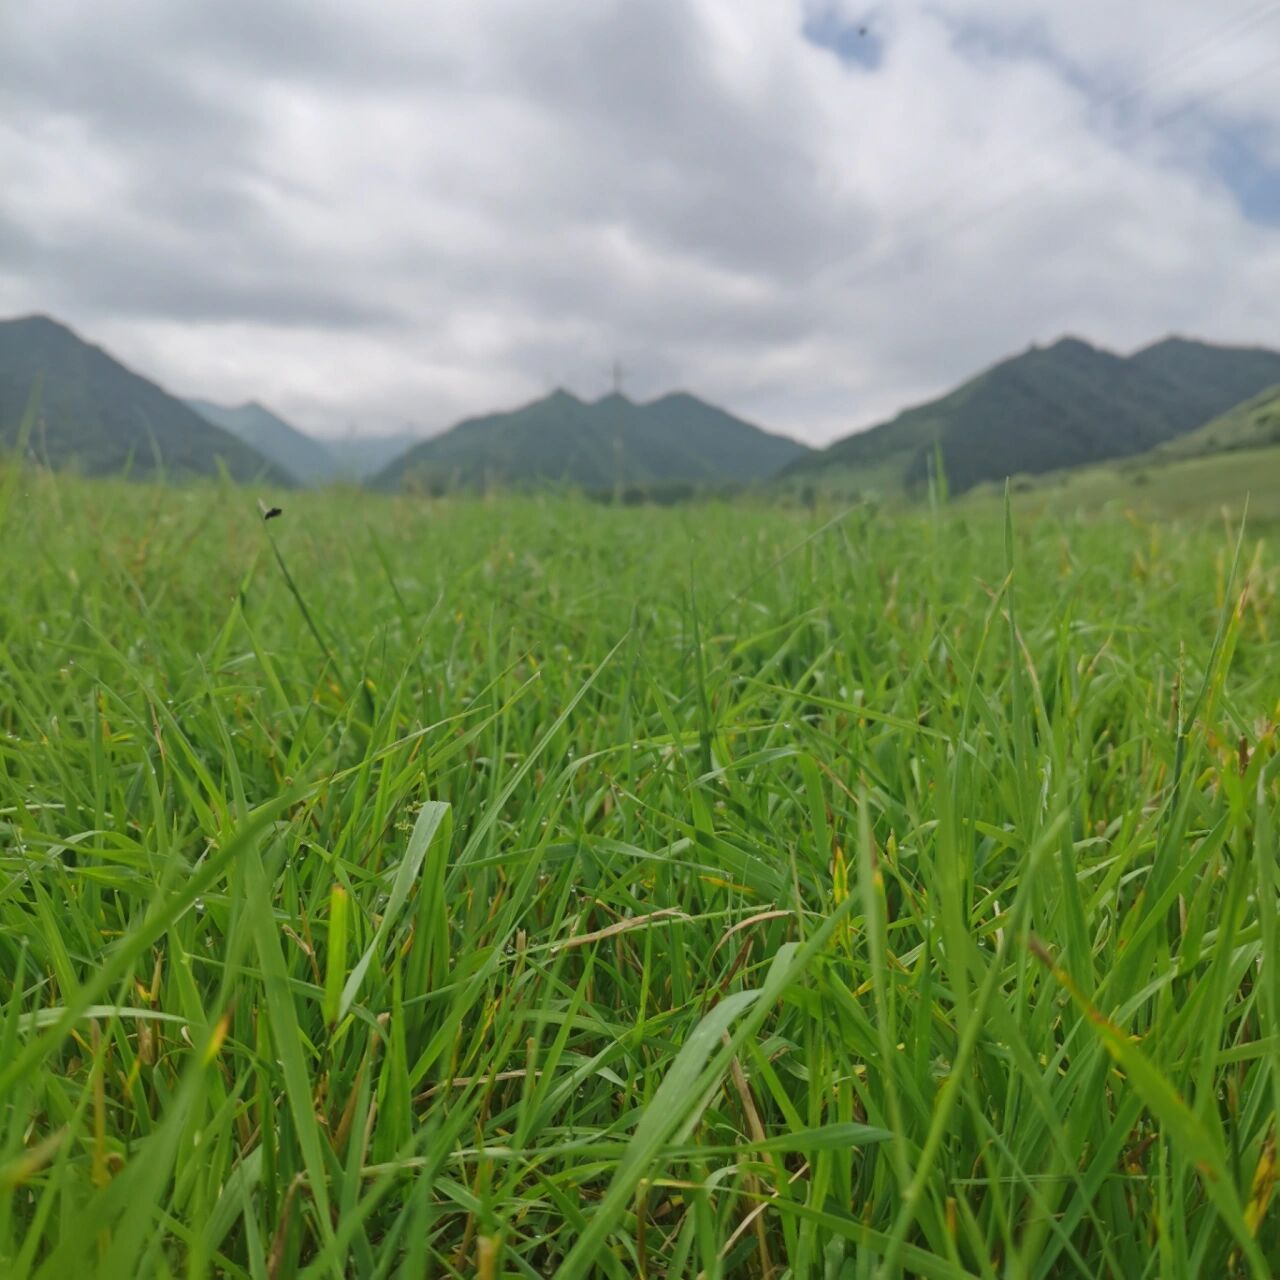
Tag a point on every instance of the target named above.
point(392, 215)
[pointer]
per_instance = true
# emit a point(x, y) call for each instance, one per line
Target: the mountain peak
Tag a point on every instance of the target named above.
point(560, 396)
point(600, 444)
point(100, 416)
point(37, 323)
point(1054, 407)
point(1172, 342)
point(265, 430)
point(1069, 343)
point(38, 318)
point(1178, 344)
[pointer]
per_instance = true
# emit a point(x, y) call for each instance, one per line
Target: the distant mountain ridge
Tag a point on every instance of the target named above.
point(1047, 409)
point(358, 457)
point(595, 446)
point(1051, 408)
point(299, 454)
point(100, 417)
point(97, 416)
point(314, 460)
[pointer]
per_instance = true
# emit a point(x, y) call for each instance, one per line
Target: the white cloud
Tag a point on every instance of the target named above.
point(405, 214)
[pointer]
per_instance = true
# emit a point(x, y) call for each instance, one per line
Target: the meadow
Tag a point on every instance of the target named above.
point(1235, 482)
point(528, 888)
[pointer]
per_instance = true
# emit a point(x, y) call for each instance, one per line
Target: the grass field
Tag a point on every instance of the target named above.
point(1160, 486)
point(529, 889)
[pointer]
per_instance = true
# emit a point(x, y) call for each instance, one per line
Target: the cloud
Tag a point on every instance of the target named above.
point(384, 215)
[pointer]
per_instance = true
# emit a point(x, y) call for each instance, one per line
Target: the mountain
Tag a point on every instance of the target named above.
point(312, 459)
point(1227, 464)
point(1050, 408)
point(1255, 424)
point(359, 457)
point(598, 445)
point(299, 454)
point(1227, 375)
point(99, 417)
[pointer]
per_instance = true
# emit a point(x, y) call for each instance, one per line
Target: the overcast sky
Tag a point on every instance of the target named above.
point(389, 214)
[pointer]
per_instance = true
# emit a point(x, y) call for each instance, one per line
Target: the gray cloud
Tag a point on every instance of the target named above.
point(388, 213)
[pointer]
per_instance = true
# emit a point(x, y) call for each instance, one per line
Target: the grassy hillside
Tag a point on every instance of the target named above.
point(449, 889)
point(297, 453)
point(98, 417)
point(1230, 464)
point(1252, 425)
point(1062, 406)
point(1197, 488)
point(595, 446)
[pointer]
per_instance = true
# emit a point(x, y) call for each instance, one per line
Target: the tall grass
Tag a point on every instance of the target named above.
point(518, 889)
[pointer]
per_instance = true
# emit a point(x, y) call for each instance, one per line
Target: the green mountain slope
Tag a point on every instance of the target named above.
point(313, 460)
point(98, 417)
point(299, 454)
point(1214, 469)
point(1050, 408)
point(1162, 483)
point(1252, 425)
point(596, 446)
point(1227, 375)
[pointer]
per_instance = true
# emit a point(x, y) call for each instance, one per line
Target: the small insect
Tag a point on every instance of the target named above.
point(269, 513)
